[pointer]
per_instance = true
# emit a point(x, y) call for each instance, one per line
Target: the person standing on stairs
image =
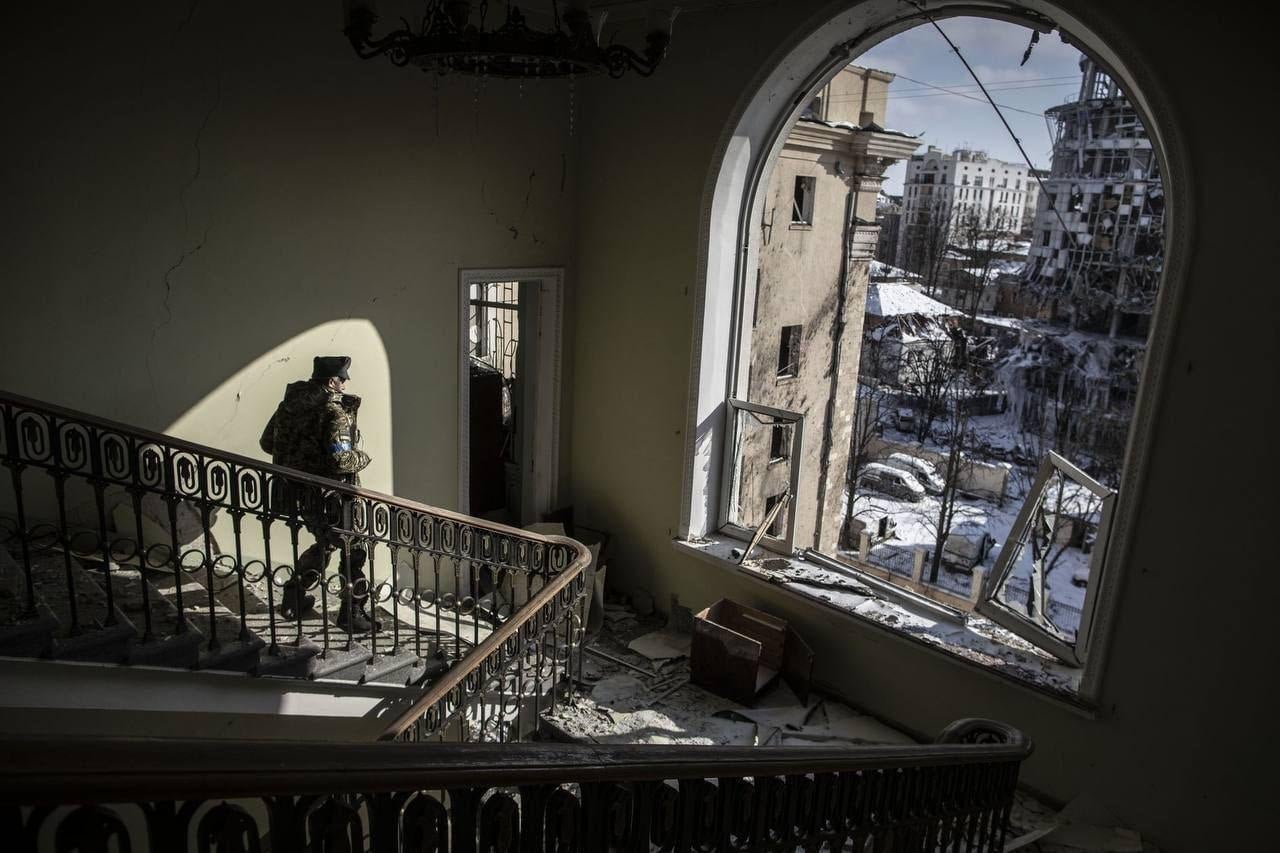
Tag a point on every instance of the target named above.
point(314, 430)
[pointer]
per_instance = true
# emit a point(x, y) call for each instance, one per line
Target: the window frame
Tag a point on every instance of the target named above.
point(1077, 653)
point(725, 523)
point(802, 205)
point(792, 364)
point(735, 196)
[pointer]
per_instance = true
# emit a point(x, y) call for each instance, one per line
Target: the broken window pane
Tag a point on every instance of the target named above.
point(1043, 585)
point(789, 351)
point(765, 446)
point(802, 207)
point(780, 446)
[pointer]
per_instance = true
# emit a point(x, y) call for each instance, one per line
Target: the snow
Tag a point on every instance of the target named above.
point(870, 127)
point(990, 272)
point(879, 269)
point(977, 639)
point(890, 299)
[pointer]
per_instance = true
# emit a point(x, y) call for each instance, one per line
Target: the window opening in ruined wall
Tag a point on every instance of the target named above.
point(965, 389)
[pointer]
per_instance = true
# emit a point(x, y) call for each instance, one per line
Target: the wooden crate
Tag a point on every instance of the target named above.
point(738, 651)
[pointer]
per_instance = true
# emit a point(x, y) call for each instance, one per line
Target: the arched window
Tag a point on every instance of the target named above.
point(1019, 525)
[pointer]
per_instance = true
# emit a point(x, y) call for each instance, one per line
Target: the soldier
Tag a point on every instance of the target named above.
point(313, 430)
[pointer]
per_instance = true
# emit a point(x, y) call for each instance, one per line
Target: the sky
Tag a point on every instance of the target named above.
point(994, 49)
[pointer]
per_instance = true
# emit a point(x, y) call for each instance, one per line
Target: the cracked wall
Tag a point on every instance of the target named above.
point(226, 190)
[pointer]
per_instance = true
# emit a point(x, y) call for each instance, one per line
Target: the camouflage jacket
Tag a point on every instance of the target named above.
point(312, 431)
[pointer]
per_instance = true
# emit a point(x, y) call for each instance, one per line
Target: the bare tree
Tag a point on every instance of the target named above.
point(984, 240)
point(927, 240)
point(928, 371)
point(967, 383)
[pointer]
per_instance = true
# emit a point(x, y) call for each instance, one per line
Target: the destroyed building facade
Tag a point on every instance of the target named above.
point(1098, 243)
point(817, 239)
point(1094, 266)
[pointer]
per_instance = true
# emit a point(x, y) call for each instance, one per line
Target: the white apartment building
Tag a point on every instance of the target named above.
point(943, 185)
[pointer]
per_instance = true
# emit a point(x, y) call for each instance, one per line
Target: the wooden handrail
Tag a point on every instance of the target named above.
point(488, 646)
point(49, 770)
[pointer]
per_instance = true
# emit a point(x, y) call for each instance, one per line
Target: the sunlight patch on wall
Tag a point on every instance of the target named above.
point(232, 416)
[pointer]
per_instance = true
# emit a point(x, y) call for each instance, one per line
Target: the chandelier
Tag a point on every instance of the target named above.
point(447, 42)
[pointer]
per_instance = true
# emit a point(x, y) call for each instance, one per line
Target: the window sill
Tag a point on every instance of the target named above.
point(801, 226)
point(973, 642)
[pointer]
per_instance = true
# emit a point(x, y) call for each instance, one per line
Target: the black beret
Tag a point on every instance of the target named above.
point(327, 366)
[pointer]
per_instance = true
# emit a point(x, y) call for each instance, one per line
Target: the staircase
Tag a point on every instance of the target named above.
point(122, 546)
point(479, 625)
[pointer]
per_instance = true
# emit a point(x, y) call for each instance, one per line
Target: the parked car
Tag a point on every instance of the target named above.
point(891, 481)
point(921, 469)
point(905, 419)
point(966, 546)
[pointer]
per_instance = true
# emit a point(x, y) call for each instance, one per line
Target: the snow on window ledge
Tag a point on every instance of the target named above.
point(974, 642)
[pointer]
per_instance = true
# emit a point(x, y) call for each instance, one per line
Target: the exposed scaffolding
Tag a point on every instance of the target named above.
point(1099, 233)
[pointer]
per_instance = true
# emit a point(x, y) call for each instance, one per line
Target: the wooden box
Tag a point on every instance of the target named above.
point(738, 651)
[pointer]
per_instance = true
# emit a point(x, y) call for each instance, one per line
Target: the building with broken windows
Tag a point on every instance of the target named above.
point(1098, 240)
point(200, 197)
point(817, 241)
point(1094, 266)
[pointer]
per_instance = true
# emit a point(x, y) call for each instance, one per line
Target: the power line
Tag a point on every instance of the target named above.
point(965, 84)
point(1014, 81)
point(892, 96)
point(973, 97)
point(1016, 141)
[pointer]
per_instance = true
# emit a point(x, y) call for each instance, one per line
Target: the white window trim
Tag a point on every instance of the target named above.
point(542, 492)
point(781, 544)
point(732, 198)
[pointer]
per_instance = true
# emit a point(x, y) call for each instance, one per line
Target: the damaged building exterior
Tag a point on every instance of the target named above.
point(1098, 244)
point(227, 191)
point(1094, 266)
point(817, 240)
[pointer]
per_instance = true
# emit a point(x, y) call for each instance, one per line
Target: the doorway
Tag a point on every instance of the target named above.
point(509, 393)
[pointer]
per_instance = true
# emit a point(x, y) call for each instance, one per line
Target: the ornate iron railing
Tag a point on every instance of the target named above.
point(952, 795)
point(112, 532)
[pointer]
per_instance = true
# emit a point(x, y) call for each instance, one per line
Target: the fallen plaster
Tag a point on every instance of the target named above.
point(977, 639)
point(617, 702)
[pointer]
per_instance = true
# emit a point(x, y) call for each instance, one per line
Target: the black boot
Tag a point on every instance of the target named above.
point(294, 601)
point(354, 621)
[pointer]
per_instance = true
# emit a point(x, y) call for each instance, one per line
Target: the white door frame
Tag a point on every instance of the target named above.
point(539, 483)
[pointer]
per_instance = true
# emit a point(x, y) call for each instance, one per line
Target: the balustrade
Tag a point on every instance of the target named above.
point(131, 546)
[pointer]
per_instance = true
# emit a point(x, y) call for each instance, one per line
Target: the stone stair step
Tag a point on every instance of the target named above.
point(102, 637)
point(400, 668)
point(22, 634)
point(342, 664)
point(226, 645)
point(288, 659)
point(169, 644)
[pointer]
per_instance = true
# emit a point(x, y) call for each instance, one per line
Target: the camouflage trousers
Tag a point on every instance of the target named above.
point(324, 522)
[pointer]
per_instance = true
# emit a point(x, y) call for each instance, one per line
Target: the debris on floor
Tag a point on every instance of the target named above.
point(661, 645)
point(635, 688)
point(1082, 826)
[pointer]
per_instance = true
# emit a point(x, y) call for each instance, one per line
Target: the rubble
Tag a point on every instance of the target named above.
point(619, 701)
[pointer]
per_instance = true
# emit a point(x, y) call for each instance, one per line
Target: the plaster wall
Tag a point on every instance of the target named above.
point(198, 198)
point(798, 286)
point(1176, 747)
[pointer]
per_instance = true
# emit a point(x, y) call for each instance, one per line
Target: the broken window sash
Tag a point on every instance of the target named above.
point(1056, 547)
point(802, 202)
point(789, 351)
point(756, 478)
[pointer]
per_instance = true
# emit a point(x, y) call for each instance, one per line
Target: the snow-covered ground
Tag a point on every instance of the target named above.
point(916, 526)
